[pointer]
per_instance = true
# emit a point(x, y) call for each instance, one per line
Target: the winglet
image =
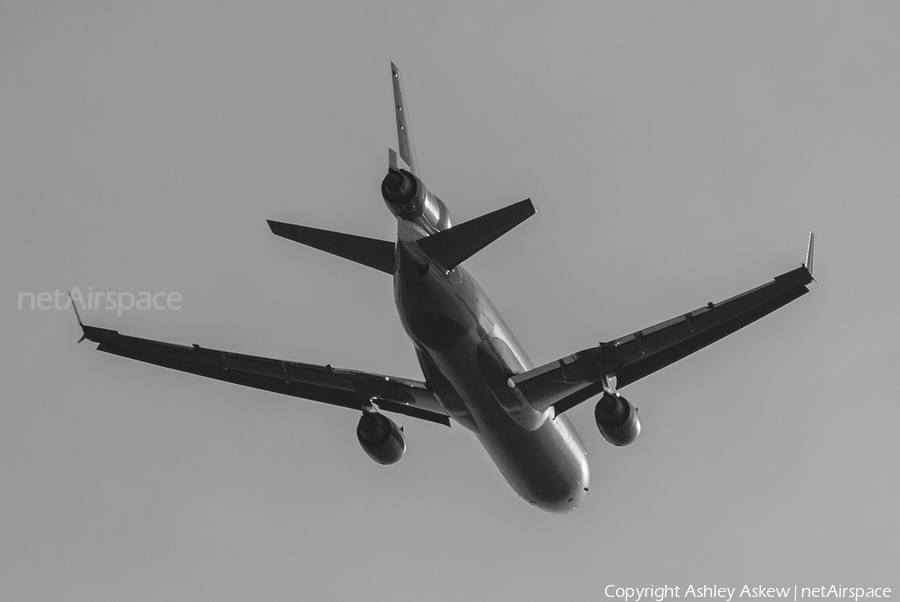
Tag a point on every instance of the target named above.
point(77, 317)
point(810, 251)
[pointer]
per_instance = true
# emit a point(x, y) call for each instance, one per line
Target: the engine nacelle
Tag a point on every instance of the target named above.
point(409, 199)
point(617, 419)
point(380, 438)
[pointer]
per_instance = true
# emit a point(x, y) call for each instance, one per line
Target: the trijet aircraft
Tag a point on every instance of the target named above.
point(475, 373)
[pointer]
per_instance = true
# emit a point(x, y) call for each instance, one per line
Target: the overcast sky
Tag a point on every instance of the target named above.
point(677, 153)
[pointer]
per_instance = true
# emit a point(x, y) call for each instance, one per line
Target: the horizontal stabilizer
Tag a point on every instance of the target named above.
point(378, 254)
point(452, 246)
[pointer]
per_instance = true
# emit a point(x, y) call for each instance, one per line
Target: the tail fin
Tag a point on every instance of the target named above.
point(452, 246)
point(404, 135)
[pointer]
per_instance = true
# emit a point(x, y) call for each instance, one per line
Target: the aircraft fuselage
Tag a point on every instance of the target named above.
point(467, 354)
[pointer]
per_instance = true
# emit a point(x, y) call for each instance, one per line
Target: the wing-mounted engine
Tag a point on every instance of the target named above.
point(380, 437)
point(617, 419)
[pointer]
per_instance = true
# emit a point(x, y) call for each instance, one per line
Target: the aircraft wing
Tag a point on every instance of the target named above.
point(346, 388)
point(567, 382)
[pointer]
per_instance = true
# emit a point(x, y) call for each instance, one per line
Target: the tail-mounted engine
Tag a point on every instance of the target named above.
point(380, 437)
point(409, 199)
point(617, 419)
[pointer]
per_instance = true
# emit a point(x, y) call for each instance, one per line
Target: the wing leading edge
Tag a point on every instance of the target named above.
point(335, 386)
point(565, 383)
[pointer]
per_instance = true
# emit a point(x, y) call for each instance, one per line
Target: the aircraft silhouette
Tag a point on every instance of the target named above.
point(475, 372)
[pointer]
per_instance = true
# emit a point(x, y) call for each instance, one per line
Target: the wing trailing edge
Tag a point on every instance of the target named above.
point(327, 384)
point(565, 383)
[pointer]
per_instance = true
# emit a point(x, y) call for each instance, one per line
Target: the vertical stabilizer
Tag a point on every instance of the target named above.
point(404, 135)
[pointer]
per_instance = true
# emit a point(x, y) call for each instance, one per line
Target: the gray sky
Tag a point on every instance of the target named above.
point(677, 153)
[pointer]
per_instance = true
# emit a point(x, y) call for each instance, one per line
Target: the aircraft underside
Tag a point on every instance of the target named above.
point(475, 372)
point(464, 344)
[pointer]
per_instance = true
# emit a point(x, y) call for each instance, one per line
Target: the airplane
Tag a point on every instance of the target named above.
point(475, 372)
